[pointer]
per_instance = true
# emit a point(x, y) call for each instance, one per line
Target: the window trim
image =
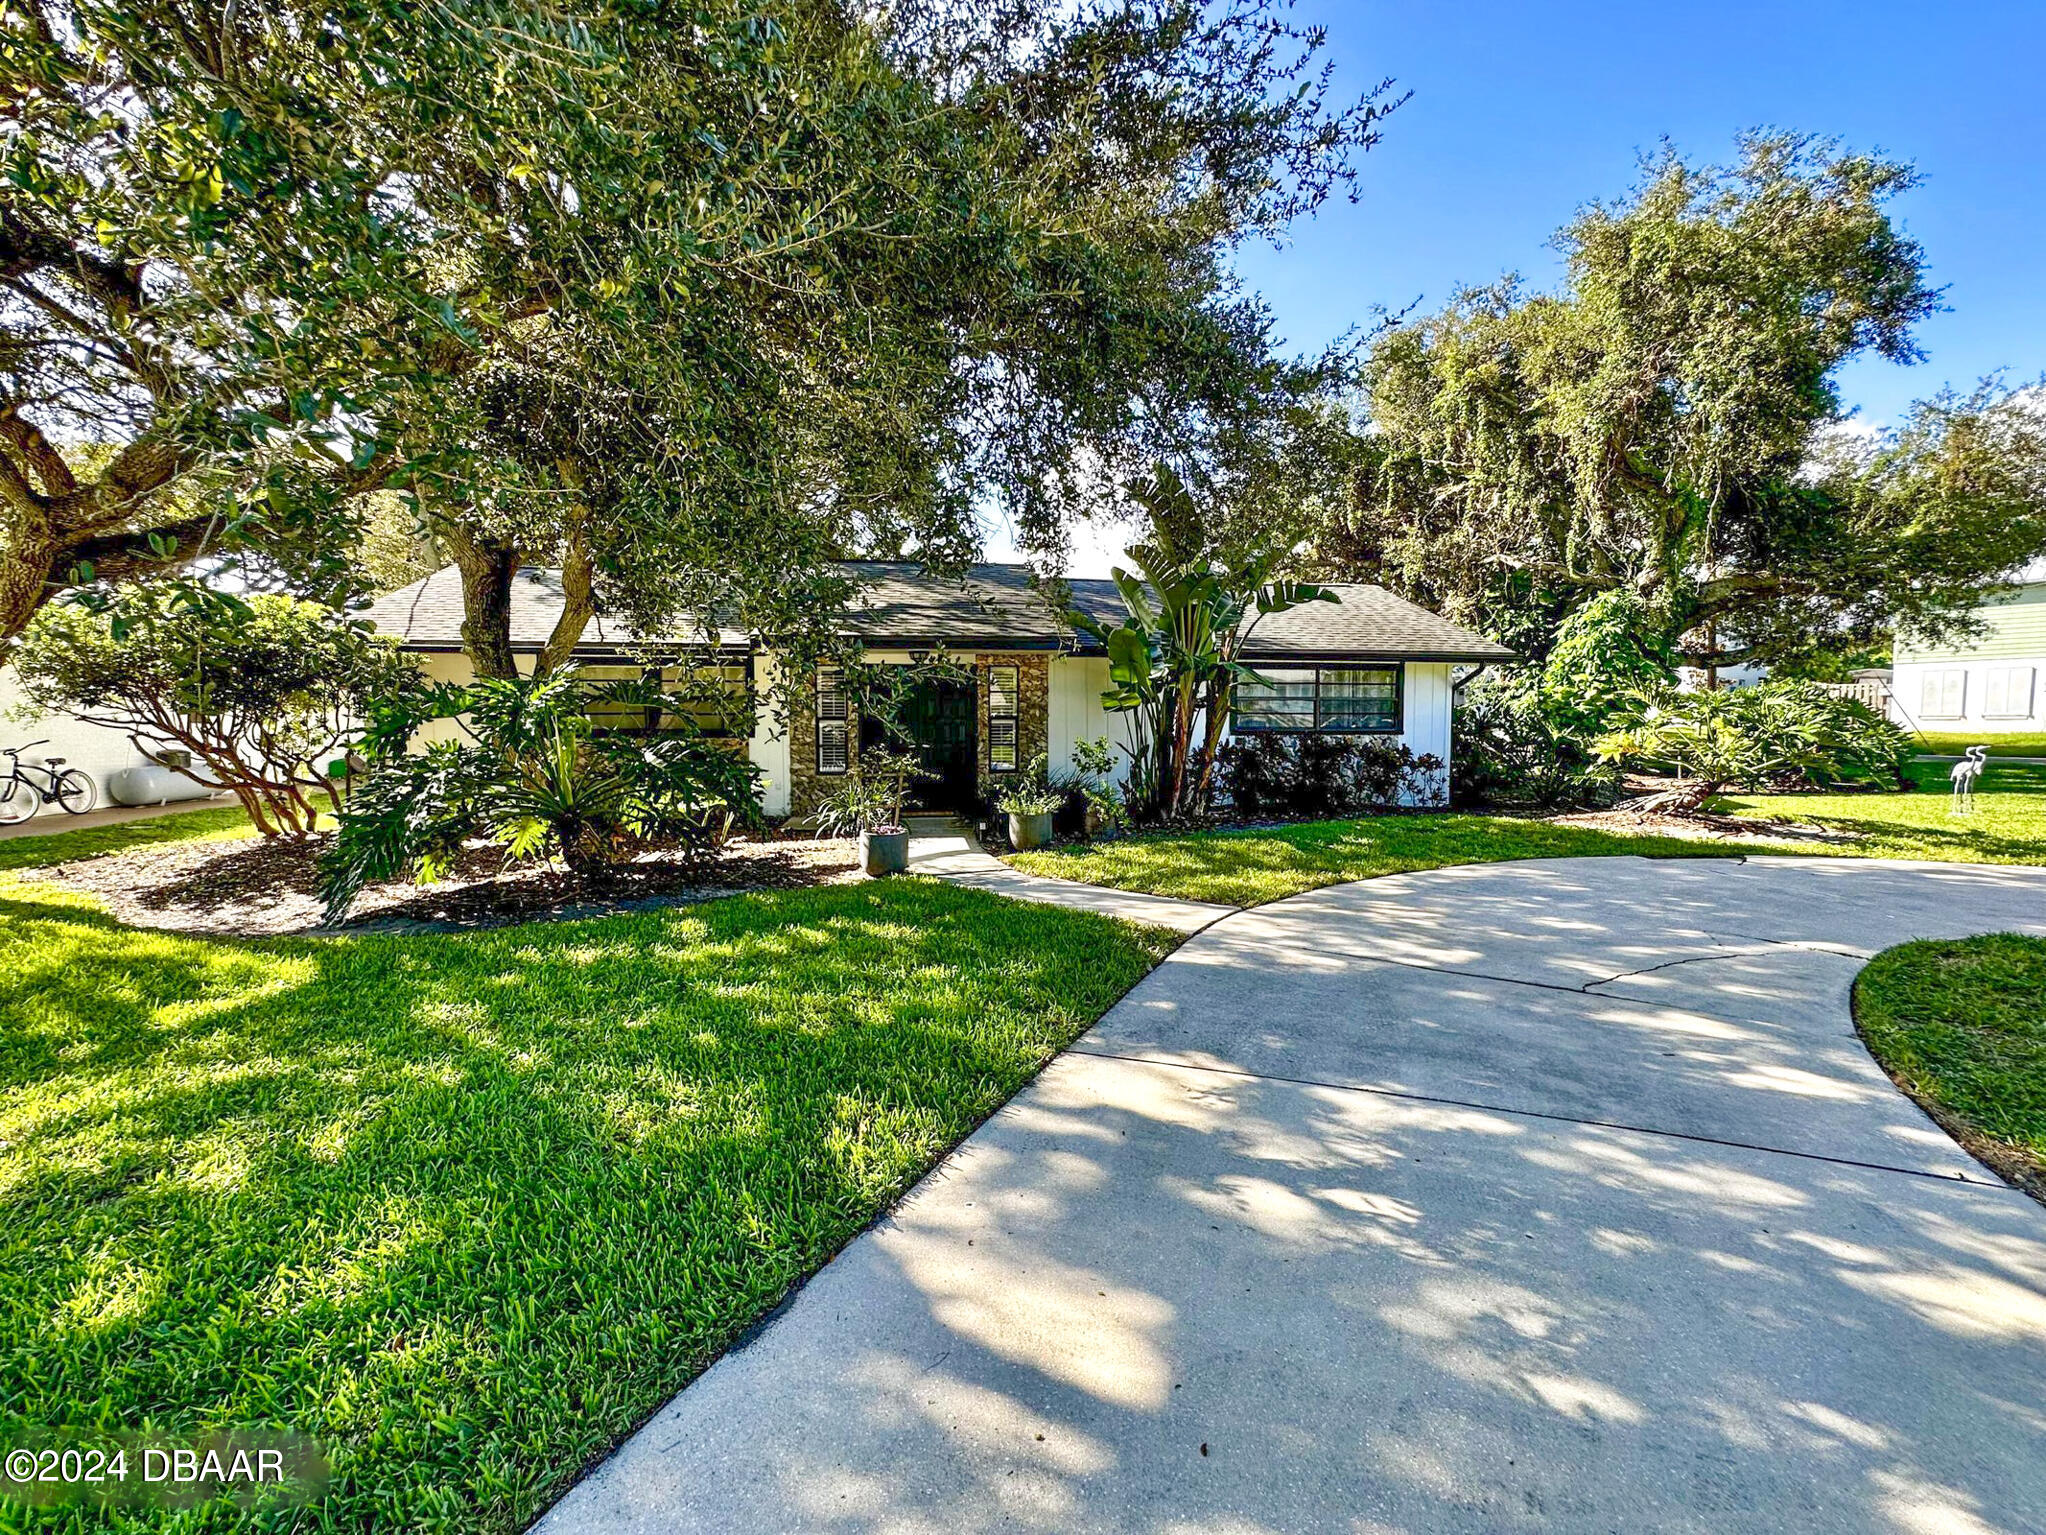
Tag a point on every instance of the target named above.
point(1935, 677)
point(830, 682)
point(2011, 710)
point(1237, 725)
point(1013, 715)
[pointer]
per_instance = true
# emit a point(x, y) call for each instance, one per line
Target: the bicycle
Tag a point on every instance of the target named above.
point(21, 796)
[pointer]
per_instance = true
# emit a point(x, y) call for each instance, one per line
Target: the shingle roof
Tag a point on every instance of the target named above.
point(427, 615)
point(991, 605)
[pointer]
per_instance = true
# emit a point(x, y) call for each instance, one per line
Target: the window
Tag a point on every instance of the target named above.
point(716, 696)
point(1345, 699)
point(1004, 688)
point(833, 721)
point(1943, 694)
point(2007, 693)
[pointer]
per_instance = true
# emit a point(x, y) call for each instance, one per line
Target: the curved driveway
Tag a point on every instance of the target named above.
point(1533, 1196)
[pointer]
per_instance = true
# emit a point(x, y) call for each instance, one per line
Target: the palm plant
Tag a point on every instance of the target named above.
point(1175, 657)
point(534, 773)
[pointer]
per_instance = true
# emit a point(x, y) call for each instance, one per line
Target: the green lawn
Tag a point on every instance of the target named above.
point(1247, 868)
point(2015, 743)
point(2007, 825)
point(468, 1208)
point(1962, 1026)
point(42, 850)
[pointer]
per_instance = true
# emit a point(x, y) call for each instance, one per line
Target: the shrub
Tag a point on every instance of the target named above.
point(535, 775)
point(1780, 734)
point(1510, 751)
point(1306, 775)
point(266, 692)
point(1034, 791)
point(869, 799)
point(1106, 807)
point(1606, 653)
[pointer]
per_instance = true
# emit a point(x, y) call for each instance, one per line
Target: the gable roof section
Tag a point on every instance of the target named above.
point(990, 607)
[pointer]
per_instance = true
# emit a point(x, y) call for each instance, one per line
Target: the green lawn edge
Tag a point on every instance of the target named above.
point(1960, 1026)
point(469, 1208)
point(42, 850)
point(1250, 866)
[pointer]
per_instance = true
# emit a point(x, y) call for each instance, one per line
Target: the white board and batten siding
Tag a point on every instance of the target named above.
point(1077, 683)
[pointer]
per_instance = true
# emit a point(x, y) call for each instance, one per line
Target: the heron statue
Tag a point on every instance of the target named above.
point(1965, 774)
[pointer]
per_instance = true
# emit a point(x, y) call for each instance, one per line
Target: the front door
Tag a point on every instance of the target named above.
point(938, 715)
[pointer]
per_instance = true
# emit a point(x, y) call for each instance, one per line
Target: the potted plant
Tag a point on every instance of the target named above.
point(868, 804)
point(1029, 800)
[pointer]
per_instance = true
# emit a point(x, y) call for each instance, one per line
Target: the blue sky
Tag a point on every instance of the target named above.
point(1522, 112)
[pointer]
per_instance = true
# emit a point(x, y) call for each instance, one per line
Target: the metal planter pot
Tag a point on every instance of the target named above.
point(884, 852)
point(1029, 831)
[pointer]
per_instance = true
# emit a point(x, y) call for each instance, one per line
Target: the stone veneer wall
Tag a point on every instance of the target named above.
point(1033, 703)
point(1033, 724)
point(806, 784)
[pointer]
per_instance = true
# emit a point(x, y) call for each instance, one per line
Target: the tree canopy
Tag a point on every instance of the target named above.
point(1668, 424)
point(688, 302)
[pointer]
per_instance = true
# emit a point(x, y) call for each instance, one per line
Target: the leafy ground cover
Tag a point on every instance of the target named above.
point(466, 1208)
point(44, 850)
point(1961, 1026)
point(1249, 867)
point(2015, 743)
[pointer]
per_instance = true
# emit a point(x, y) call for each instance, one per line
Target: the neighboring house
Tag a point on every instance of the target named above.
point(101, 753)
point(1370, 665)
point(1986, 684)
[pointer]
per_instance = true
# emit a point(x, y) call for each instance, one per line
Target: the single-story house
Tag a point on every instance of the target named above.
point(1985, 684)
point(1371, 664)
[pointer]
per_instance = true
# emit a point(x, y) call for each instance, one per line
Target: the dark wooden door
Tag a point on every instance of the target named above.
point(939, 716)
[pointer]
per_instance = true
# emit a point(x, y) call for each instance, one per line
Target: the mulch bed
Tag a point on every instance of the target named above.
point(256, 887)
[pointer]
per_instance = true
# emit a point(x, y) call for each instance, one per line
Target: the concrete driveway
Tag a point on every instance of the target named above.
point(1537, 1196)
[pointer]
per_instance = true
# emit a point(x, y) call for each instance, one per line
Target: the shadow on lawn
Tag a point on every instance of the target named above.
point(467, 1207)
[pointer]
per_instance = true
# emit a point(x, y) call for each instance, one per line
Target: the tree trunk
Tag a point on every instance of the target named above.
point(1219, 693)
point(578, 607)
point(487, 566)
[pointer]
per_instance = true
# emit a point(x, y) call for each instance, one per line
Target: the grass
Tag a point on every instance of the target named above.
point(2007, 825)
point(42, 850)
point(2013, 743)
point(467, 1208)
point(1248, 868)
point(1961, 1025)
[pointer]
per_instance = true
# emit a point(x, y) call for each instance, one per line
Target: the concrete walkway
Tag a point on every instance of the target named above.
point(1537, 1196)
point(945, 849)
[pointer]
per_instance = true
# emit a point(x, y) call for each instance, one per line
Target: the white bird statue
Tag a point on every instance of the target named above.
point(1964, 775)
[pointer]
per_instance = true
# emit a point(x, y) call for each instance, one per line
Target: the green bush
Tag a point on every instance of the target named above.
point(265, 692)
point(537, 775)
point(1316, 775)
point(1776, 735)
point(1511, 751)
point(1605, 654)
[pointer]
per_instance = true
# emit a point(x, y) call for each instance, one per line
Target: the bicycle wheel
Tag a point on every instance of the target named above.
point(76, 792)
point(17, 801)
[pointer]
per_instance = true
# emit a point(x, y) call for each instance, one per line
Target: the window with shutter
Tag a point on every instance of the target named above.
point(833, 722)
point(1004, 703)
point(2007, 693)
